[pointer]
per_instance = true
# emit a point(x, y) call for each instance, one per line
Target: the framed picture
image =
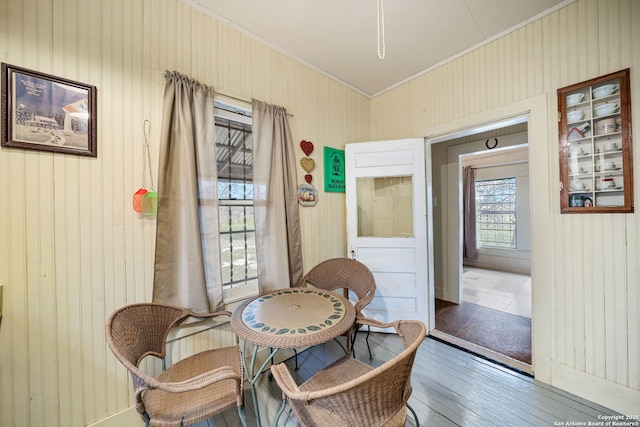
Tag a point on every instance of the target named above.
point(47, 113)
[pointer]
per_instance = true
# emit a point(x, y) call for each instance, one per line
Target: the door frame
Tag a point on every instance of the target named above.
point(542, 263)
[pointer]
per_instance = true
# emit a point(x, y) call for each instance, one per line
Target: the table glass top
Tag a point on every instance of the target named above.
point(293, 312)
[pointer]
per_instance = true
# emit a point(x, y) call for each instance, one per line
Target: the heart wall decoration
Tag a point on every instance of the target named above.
point(308, 164)
point(307, 147)
point(308, 177)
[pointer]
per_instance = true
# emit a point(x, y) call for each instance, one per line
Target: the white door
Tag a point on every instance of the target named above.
point(387, 225)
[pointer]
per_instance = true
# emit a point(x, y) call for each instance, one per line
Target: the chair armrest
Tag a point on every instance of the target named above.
point(285, 381)
point(201, 381)
point(361, 320)
point(363, 302)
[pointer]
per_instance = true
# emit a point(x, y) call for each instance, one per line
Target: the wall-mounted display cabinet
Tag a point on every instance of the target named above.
point(596, 163)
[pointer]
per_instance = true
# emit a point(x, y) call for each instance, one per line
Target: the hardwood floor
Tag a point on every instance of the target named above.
point(450, 388)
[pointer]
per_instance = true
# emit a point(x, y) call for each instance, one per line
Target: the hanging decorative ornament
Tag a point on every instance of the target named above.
point(308, 164)
point(137, 199)
point(150, 204)
point(308, 177)
point(307, 147)
point(144, 201)
point(307, 195)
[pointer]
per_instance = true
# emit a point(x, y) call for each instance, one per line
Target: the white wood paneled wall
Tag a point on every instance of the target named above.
point(593, 289)
point(72, 248)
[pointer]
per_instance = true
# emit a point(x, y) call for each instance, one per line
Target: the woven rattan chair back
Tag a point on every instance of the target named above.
point(339, 273)
point(344, 273)
point(175, 397)
point(350, 392)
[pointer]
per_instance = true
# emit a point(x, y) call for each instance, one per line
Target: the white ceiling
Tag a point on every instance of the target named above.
point(339, 37)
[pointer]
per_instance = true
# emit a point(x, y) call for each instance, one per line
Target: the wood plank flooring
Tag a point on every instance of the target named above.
point(450, 388)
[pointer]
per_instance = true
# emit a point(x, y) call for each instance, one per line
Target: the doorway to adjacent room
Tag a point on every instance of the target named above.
point(484, 304)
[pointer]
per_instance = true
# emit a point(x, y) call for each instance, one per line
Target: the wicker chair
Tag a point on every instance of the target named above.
point(350, 392)
point(344, 273)
point(191, 390)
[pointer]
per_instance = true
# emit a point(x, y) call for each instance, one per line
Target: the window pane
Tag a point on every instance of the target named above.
point(234, 156)
point(496, 223)
point(224, 215)
point(225, 257)
point(385, 206)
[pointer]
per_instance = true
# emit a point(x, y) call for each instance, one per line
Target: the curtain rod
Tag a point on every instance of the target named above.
point(236, 98)
point(495, 165)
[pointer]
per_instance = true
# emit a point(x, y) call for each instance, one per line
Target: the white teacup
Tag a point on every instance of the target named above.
point(611, 146)
point(574, 116)
point(611, 184)
point(606, 109)
point(611, 165)
point(574, 98)
point(605, 90)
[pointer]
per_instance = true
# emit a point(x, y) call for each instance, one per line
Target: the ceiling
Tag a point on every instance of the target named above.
point(340, 37)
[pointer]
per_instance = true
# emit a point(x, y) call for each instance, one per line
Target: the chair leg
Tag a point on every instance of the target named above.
point(415, 416)
point(353, 342)
point(243, 415)
point(340, 344)
point(281, 411)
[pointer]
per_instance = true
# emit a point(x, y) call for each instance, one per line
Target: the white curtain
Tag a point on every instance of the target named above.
point(278, 245)
point(187, 262)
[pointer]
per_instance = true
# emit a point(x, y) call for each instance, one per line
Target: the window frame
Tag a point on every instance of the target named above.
point(479, 242)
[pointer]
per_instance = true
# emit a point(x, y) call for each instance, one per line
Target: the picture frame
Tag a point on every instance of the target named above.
point(48, 113)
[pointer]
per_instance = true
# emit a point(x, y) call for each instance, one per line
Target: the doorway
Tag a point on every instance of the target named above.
point(475, 316)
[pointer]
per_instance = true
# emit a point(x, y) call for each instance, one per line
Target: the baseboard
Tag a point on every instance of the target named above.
point(129, 417)
point(605, 393)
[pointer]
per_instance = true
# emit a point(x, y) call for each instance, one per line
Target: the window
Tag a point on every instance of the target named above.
point(496, 213)
point(234, 156)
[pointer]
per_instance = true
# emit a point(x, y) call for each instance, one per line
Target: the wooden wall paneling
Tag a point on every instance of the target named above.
point(633, 249)
point(625, 35)
point(633, 306)
point(608, 302)
point(65, 218)
point(620, 301)
point(598, 313)
point(535, 74)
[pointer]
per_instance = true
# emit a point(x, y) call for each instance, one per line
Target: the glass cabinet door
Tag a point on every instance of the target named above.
point(595, 145)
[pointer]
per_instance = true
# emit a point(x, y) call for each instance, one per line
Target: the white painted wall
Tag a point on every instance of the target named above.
point(585, 278)
point(71, 247)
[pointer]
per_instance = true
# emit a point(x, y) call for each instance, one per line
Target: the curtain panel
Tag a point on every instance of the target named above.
point(187, 260)
point(470, 250)
point(278, 243)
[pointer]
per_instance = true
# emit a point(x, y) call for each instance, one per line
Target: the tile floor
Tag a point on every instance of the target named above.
point(508, 292)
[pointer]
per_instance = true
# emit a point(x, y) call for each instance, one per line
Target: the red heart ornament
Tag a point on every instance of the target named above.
point(307, 147)
point(308, 177)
